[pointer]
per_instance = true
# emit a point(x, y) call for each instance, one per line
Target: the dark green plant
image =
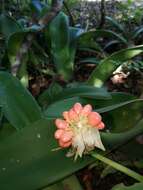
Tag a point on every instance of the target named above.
point(27, 126)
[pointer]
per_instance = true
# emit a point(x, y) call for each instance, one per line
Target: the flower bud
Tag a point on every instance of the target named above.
point(61, 124)
point(65, 115)
point(58, 133)
point(86, 110)
point(72, 115)
point(94, 119)
point(65, 145)
point(66, 136)
point(100, 126)
point(77, 108)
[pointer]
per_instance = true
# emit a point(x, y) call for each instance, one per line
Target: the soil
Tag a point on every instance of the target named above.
point(91, 180)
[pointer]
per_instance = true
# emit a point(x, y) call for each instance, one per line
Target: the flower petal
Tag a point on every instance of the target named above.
point(97, 139)
point(78, 144)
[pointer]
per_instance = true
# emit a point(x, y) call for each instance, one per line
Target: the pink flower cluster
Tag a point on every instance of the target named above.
point(75, 120)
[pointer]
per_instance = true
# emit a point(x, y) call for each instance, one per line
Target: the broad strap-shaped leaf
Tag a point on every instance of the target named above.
point(116, 100)
point(118, 117)
point(113, 140)
point(14, 46)
point(115, 24)
point(48, 95)
point(56, 109)
point(136, 186)
point(28, 156)
point(18, 56)
point(137, 32)
point(136, 143)
point(18, 46)
point(18, 42)
point(8, 25)
point(111, 43)
point(82, 90)
point(74, 33)
point(88, 39)
point(18, 105)
point(91, 60)
point(106, 67)
point(60, 45)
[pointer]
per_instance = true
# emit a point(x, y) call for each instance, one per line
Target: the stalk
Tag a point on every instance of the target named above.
point(118, 166)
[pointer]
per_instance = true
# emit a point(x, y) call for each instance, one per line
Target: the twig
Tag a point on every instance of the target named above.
point(103, 13)
point(69, 12)
point(55, 9)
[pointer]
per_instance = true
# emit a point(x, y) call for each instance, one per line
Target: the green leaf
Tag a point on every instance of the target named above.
point(111, 43)
point(113, 114)
point(127, 150)
point(137, 32)
point(18, 105)
point(106, 67)
point(74, 33)
point(6, 130)
point(114, 23)
point(48, 95)
point(14, 45)
point(56, 109)
point(114, 140)
point(82, 90)
point(28, 156)
point(17, 42)
point(88, 39)
point(8, 25)
point(16, 48)
point(118, 119)
point(117, 98)
point(91, 60)
point(136, 186)
point(60, 45)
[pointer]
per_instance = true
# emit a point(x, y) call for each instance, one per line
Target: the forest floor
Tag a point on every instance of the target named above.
point(87, 12)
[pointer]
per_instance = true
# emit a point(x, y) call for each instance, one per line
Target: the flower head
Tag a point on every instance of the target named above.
point(80, 129)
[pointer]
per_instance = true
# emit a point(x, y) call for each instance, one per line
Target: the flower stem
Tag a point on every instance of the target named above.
point(118, 166)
